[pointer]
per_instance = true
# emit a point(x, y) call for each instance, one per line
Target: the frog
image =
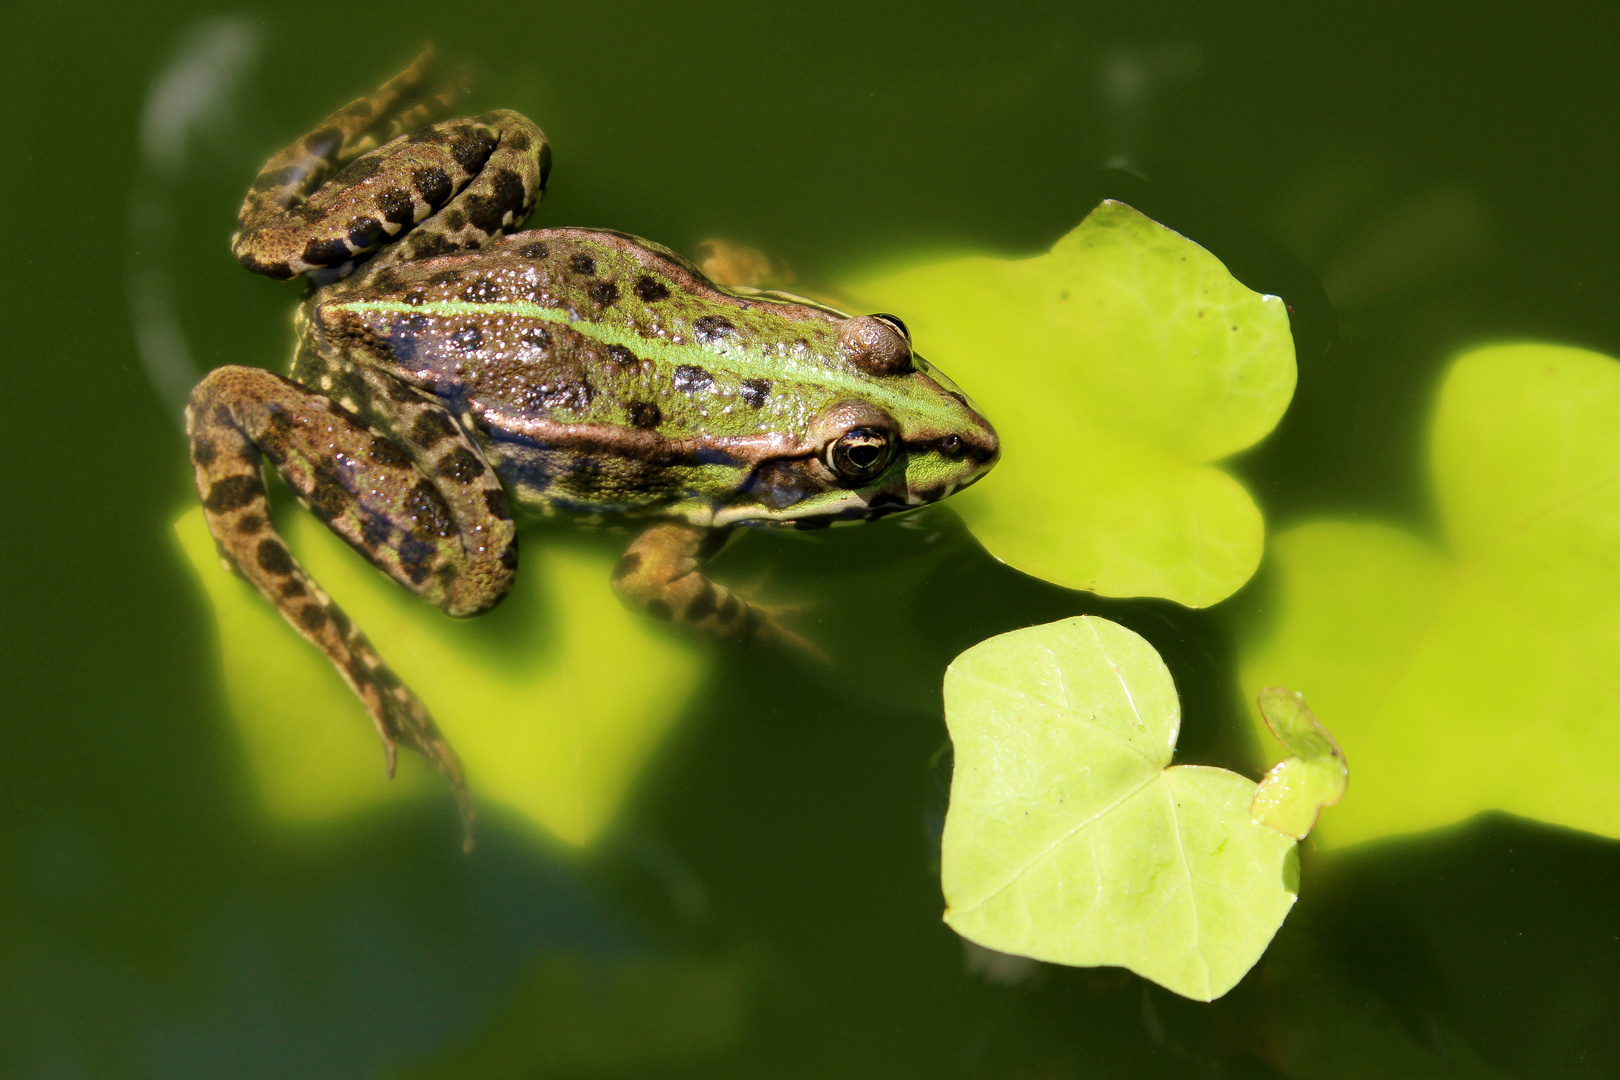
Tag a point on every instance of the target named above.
point(454, 372)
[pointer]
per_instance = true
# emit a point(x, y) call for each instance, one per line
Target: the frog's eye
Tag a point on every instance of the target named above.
point(894, 321)
point(860, 454)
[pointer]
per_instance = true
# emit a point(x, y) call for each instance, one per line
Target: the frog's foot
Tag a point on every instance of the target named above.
point(661, 574)
point(455, 185)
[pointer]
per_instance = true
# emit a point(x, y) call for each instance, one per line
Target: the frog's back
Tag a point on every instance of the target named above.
point(601, 372)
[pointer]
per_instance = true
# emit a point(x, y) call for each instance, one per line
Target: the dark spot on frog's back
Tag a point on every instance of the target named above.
point(582, 264)
point(650, 289)
point(712, 328)
point(430, 428)
point(385, 451)
point(495, 503)
point(518, 140)
point(233, 493)
point(202, 451)
point(460, 465)
point(754, 392)
point(326, 253)
point(691, 379)
point(505, 197)
point(433, 184)
point(312, 617)
point(467, 339)
point(644, 414)
point(604, 292)
point(536, 250)
point(623, 357)
point(455, 220)
point(429, 512)
point(365, 232)
point(274, 558)
point(472, 150)
point(397, 206)
point(426, 247)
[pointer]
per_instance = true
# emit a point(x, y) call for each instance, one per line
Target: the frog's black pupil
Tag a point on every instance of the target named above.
point(864, 456)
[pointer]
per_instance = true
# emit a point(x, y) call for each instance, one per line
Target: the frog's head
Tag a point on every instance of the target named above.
point(897, 437)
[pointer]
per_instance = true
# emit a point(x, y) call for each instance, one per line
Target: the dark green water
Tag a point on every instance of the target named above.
point(1412, 178)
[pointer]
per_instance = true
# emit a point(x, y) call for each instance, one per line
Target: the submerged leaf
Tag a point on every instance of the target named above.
point(1480, 676)
point(1292, 795)
point(1071, 838)
point(554, 701)
point(1116, 368)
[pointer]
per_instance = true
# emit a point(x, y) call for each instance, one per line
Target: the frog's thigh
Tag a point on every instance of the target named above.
point(660, 574)
point(445, 534)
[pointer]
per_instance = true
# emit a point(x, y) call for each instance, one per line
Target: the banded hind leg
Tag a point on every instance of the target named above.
point(423, 506)
point(661, 575)
point(364, 179)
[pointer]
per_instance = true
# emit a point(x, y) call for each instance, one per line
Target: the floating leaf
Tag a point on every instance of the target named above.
point(554, 701)
point(1482, 674)
point(1293, 793)
point(1116, 368)
point(1071, 838)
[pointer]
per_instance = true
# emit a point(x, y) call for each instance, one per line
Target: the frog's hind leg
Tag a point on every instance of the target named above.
point(458, 184)
point(661, 574)
point(442, 531)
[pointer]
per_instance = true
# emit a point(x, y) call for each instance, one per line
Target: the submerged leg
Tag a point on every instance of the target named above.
point(432, 517)
point(661, 574)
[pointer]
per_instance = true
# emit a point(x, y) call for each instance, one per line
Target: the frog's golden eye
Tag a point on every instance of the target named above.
point(894, 321)
point(860, 454)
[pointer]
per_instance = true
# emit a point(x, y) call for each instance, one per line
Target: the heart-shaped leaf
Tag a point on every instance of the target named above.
point(1116, 368)
point(1071, 838)
point(554, 701)
point(1485, 673)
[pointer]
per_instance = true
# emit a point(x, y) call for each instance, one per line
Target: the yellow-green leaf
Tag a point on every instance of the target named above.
point(554, 701)
point(1117, 368)
point(1070, 837)
point(1292, 795)
point(1482, 673)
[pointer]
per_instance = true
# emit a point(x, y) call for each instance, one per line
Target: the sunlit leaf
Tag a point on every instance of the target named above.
point(1116, 368)
point(1480, 673)
point(1315, 775)
point(554, 701)
point(1071, 838)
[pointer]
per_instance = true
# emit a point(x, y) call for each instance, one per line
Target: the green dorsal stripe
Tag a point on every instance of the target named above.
point(901, 398)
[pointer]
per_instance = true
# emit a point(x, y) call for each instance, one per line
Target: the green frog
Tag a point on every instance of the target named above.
point(452, 372)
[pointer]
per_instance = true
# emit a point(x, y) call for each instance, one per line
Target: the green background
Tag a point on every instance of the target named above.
point(1412, 178)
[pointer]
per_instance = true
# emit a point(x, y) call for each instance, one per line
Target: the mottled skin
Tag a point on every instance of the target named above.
point(448, 374)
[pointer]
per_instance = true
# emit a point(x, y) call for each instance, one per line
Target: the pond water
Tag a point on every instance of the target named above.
point(764, 900)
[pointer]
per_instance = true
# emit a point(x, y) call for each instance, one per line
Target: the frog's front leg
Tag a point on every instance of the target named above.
point(661, 574)
point(423, 506)
point(454, 185)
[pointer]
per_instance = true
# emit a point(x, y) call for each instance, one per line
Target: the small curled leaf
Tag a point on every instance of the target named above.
point(1292, 795)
